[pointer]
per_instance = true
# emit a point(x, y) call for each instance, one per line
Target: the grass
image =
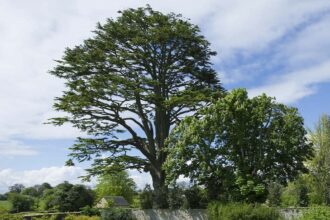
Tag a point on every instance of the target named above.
point(5, 205)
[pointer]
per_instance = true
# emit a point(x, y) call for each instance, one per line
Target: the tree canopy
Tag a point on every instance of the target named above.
point(320, 165)
point(239, 145)
point(129, 84)
point(116, 184)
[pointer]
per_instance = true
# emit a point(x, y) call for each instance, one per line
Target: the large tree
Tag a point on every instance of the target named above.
point(238, 146)
point(130, 84)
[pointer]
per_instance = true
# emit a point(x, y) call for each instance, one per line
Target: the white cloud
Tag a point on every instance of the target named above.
point(12, 148)
point(52, 175)
point(140, 179)
point(295, 85)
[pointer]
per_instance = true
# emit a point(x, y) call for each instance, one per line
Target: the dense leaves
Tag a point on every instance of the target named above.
point(68, 197)
point(237, 211)
point(320, 165)
point(21, 203)
point(129, 84)
point(116, 184)
point(238, 146)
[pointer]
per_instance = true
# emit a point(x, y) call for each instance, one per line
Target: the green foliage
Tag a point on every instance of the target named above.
point(5, 205)
point(196, 198)
point(274, 194)
point(320, 165)
point(67, 197)
point(116, 184)
point(90, 211)
point(146, 197)
point(138, 75)
point(296, 193)
point(238, 146)
point(3, 197)
point(36, 190)
point(176, 198)
point(7, 216)
point(20, 203)
point(116, 214)
point(16, 188)
point(81, 217)
point(237, 211)
point(316, 213)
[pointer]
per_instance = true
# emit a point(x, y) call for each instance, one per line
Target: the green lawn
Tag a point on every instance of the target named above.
point(5, 205)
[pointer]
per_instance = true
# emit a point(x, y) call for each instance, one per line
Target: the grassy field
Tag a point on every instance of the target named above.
point(5, 205)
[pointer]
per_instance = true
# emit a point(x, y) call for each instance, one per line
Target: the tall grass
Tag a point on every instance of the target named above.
point(238, 211)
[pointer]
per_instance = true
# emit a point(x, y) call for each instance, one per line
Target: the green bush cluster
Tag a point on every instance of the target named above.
point(6, 216)
point(237, 211)
point(81, 217)
point(116, 214)
point(317, 213)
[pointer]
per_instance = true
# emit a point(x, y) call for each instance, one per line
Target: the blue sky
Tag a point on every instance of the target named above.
point(280, 47)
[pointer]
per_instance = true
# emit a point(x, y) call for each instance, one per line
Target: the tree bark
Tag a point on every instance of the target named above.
point(160, 188)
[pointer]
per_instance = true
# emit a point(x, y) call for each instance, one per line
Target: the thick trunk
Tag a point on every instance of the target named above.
point(160, 188)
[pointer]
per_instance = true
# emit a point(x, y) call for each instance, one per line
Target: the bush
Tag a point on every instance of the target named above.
point(316, 213)
point(274, 194)
point(21, 203)
point(90, 211)
point(146, 197)
point(196, 198)
point(235, 211)
point(6, 216)
point(81, 217)
point(176, 197)
point(116, 214)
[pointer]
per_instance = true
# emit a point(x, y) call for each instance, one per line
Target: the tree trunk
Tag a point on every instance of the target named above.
point(160, 188)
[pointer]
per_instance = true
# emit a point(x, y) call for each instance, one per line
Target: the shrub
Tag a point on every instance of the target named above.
point(116, 214)
point(81, 217)
point(316, 213)
point(176, 197)
point(90, 211)
point(146, 197)
point(6, 216)
point(21, 203)
point(236, 211)
point(274, 194)
point(196, 198)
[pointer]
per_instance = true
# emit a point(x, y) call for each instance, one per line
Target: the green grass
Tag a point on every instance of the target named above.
point(5, 205)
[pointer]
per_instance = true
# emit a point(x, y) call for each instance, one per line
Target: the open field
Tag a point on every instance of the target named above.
point(5, 205)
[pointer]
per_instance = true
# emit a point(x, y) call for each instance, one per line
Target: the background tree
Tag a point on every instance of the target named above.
point(116, 184)
point(320, 165)
point(129, 84)
point(146, 197)
point(68, 197)
point(239, 145)
point(20, 203)
point(16, 188)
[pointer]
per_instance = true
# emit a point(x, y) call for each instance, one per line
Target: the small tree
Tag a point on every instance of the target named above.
point(21, 203)
point(274, 194)
point(68, 197)
point(239, 145)
point(320, 164)
point(116, 184)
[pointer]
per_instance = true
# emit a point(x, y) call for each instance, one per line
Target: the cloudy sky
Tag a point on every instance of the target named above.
point(280, 47)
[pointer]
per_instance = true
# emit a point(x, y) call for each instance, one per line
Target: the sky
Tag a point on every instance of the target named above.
point(277, 47)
